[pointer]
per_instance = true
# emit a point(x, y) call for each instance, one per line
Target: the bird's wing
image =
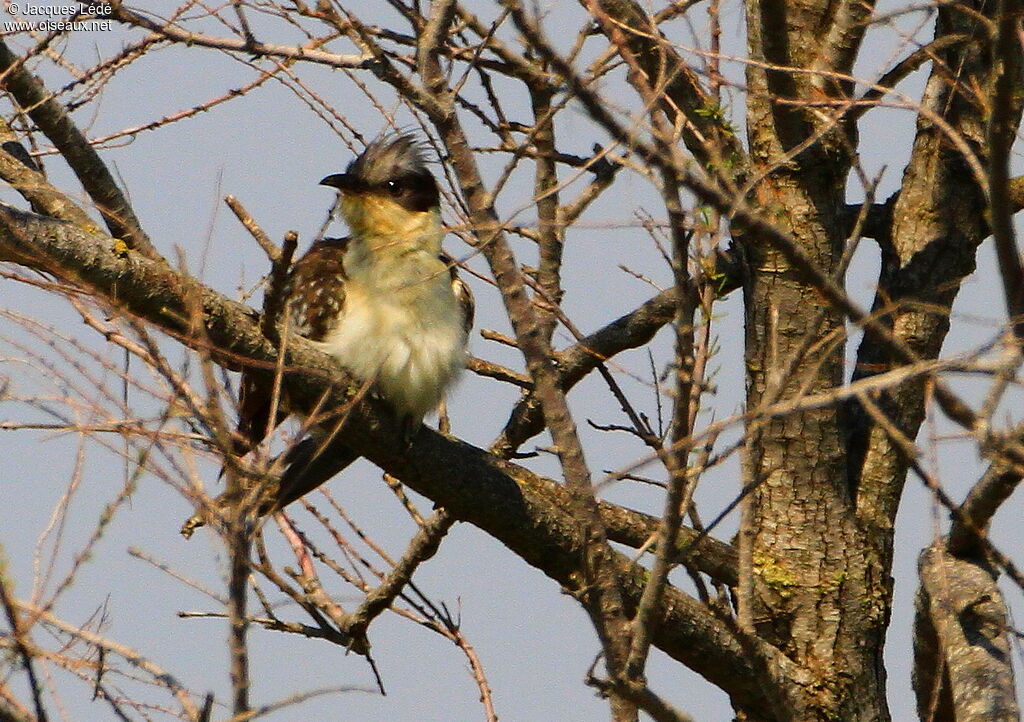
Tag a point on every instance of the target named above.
point(309, 464)
point(316, 289)
point(314, 299)
point(254, 402)
point(462, 292)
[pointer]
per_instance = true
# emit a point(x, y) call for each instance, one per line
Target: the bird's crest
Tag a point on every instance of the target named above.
point(392, 155)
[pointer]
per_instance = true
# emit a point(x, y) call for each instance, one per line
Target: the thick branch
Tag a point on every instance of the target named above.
point(525, 512)
point(936, 222)
point(91, 171)
point(962, 664)
point(986, 497)
point(878, 223)
point(1000, 136)
point(33, 186)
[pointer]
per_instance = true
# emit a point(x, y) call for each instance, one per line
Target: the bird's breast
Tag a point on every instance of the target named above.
point(401, 327)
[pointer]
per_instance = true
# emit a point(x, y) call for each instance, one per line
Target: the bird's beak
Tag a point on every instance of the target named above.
point(341, 181)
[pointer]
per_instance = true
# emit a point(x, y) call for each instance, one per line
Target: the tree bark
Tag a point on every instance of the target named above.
point(812, 586)
point(962, 661)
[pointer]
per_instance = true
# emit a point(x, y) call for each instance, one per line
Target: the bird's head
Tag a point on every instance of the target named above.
point(388, 193)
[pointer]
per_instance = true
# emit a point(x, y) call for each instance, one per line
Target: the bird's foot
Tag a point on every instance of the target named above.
point(409, 427)
point(191, 524)
point(206, 514)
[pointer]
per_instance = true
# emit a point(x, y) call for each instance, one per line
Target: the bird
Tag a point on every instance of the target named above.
point(385, 302)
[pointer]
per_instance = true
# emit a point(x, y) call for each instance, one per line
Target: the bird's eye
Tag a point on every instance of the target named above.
point(395, 187)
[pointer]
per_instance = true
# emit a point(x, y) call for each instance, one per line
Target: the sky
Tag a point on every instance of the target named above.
point(269, 149)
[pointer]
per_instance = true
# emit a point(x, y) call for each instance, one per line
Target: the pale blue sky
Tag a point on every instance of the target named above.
point(269, 150)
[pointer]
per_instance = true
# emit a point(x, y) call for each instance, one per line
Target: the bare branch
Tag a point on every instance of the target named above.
point(22, 644)
point(1001, 134)
point(308, 53)
point(632, 330)
point(91, 171)
point(902, 69)
point(423, 546)
point(131, 656)
point(250, 224)
point(685, 102)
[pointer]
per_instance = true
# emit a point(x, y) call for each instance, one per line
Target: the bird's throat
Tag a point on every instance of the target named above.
point(384, 228)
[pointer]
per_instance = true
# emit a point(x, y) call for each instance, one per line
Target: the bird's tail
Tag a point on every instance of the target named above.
point(307, 465)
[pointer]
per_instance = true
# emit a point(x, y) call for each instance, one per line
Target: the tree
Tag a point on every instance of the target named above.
point(789, 617)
